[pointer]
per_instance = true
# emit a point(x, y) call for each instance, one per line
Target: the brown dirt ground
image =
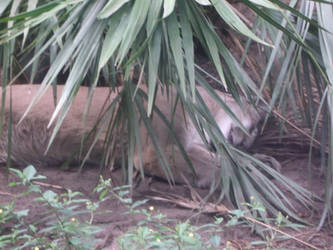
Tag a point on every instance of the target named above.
point(116, 223)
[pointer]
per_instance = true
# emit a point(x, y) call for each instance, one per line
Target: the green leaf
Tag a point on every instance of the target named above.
point(203, 2)
point(50, 196)
point(229, 16)
point(215, 240)
point(153, 16)
point(168, 7)
point(188, 46)
point(3, 5)
point(31, 5)
point(325, 17)
point(154, 50)
point(266, 4)
point(22, 213)
point(80, 67)
point(13, 10)
point(153, 64)
point(175, 41)
point(111, 7)
point(13, 184)
point(29, 172)
point(113, 38)
point(136, 20)
point(214, 53)
point(139, 203)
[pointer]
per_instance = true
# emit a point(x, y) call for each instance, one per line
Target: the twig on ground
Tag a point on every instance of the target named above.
point(6, 193)
point(49, 185)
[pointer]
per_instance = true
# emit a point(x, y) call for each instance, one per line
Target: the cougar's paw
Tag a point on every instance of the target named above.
point(270, 161)
point(203, 183)
point(205, 178)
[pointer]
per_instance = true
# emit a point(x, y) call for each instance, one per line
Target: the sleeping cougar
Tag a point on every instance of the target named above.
point(30, 138)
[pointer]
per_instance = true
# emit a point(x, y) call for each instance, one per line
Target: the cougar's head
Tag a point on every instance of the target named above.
point(250, 118)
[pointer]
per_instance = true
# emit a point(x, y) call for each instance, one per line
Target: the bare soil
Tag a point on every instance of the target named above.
point(116, 223)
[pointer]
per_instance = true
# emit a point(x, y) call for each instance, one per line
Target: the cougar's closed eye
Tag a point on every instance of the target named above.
point(249, 140)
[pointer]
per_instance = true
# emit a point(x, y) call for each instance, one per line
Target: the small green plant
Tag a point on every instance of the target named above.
point(262, 224)
point(7, 213)
point(156, 231)
point(58, 228)
point(61, 226)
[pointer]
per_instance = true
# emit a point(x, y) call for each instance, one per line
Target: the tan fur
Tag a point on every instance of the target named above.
point(203, 160)
point(30, 138)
